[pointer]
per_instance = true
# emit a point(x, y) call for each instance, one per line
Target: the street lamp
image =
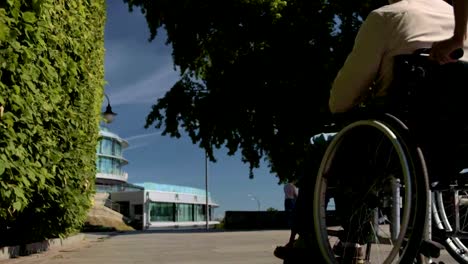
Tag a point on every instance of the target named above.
point(254, 198)
point(108, 114)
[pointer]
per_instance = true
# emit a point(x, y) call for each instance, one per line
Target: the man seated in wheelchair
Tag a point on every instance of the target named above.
point(386, 72)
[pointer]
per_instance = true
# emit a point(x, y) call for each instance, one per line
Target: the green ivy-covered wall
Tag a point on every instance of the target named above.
point(51, 88)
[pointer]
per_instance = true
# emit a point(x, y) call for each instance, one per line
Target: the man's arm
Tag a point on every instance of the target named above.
point(460, 8)
point(362, 65)
point(441, 50)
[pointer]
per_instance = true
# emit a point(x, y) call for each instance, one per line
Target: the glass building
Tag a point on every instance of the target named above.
point(110, 160)
point(155, 205)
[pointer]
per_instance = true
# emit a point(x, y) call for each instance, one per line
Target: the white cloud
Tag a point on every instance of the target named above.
point(146, 90)
point(137, 146)
point(140, 136)
point(138, 72)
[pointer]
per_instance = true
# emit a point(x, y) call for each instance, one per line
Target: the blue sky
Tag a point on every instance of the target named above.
point(139, 72)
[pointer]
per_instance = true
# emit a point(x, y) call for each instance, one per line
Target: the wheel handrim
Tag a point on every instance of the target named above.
point(321, 185)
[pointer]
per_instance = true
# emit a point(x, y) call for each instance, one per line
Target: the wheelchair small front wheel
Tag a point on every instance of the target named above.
point(370, 196)
point(450, 218)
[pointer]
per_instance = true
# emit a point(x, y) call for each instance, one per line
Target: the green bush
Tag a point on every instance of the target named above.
point(51, 88)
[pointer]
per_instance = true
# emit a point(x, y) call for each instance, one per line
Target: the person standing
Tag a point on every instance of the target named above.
point(302, 243)
point(290, 196)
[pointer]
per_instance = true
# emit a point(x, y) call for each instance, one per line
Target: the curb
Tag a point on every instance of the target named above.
point(37, 247)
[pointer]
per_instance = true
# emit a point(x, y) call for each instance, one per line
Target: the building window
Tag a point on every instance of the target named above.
point(199, 213)
point(109, 166)
point(162, 212)
point(105, 165)
point(106, 146)
point(98, 164)
point(124, 208)
point(116, 148)
point(138, 209)
point(184, 212)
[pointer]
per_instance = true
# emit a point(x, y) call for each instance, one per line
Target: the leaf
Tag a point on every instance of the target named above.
point(4, 31)
point(19, 193)
point(17, 205)
point(2, 167)
point(29, 17)
point(7, 193)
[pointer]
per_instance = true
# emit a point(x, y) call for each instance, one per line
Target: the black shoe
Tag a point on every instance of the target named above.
point(350, 253)
point(282, 252)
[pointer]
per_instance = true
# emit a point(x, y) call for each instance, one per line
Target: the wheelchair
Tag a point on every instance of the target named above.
point(375, 179)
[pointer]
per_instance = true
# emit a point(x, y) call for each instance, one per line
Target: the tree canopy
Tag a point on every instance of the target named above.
point(255, 74)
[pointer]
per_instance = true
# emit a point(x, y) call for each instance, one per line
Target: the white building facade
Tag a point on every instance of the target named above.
point(167, 206)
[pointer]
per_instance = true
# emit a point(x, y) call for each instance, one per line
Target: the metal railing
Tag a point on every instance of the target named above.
point(112, 205)
point(124, 187)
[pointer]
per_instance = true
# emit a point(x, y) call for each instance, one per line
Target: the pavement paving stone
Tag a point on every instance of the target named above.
point(171, 247)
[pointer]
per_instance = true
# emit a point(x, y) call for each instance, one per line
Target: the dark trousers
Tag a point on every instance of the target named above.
point(289, 205)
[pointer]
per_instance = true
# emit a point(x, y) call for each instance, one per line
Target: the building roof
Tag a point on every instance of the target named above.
point(104, 132)
point(151, 186)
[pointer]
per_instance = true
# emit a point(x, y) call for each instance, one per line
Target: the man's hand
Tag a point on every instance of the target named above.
point(441, 51)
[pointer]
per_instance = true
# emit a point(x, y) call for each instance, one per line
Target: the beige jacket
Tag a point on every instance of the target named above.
point(395, 29)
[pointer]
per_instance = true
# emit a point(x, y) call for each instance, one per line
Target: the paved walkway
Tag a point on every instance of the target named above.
point(171, 247)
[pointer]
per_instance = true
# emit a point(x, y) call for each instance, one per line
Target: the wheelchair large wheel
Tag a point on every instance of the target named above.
point(450, 214)
point(378, 184)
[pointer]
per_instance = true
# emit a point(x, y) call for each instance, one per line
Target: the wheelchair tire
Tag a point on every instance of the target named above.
point(444, 222)
point(367, 179)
